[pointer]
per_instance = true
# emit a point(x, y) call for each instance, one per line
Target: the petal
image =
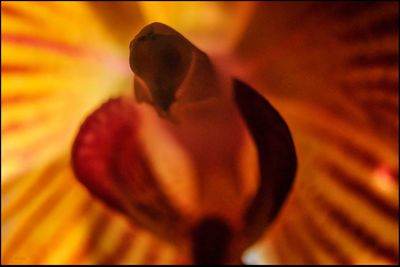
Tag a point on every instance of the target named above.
point(45, 73)
point(277, 158)
point(110, 161)
point(49, 218)
point(212, 26)
point(332, 71)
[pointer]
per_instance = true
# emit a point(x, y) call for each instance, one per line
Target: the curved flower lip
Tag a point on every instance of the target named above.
point(108, 159)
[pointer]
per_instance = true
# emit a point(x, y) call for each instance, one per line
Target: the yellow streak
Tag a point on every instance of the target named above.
point(141, 244)
point(13, 227)
point(358, 210)
point(76, 236)
point(38, 241)
point(110, 237)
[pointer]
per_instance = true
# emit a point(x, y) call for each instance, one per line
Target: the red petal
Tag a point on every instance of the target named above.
point(108, 159)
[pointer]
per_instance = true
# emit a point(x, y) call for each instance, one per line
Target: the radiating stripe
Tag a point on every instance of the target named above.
point(28, 50)
point(297, 243)
point(36, 217)
point(32, 191)
point(30, 150)
point(356, 208)
point(79, 214)
point(386, 59)
point(299, 227)
point(376, 29)
point(385, 85)
point(344, 96)
point(8, 10)
point(360, 153)
point(373, 73)
point(331, 229)
point(367, 158)
point(12, 186)
point(122, 248)
point(49, 63)
point(22, 98)
point(117, 231)
point(142, 243)
point(343, 234)
point(37, 131)
point(316, 233)
point(11, 115)
point(389, 209)
point(36, 239)
point(75, 233)
point(100, 224)
point(18, 69)
point(357, 231)
point(39, 185)
point(17, 126)
point(41, 43)
point(379, 97)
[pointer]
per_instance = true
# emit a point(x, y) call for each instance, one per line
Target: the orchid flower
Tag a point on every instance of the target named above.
point(201, 110)
point(143, 180)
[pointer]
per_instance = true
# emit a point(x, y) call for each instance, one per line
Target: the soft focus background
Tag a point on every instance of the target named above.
point(331, 69)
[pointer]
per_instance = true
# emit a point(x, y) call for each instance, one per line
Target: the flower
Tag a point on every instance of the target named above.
point(198, 108)
point(330, 69)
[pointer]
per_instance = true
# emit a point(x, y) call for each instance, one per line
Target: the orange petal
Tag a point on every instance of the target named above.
point(332, 71)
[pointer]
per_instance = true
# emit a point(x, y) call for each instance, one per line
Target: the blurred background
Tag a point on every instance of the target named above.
point(331, 69)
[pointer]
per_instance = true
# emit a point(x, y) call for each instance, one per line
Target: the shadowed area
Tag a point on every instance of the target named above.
point(210, 241)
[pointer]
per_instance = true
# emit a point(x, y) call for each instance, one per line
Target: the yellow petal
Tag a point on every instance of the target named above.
point(57, 64)
point(212, 26)
point(49, 218)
